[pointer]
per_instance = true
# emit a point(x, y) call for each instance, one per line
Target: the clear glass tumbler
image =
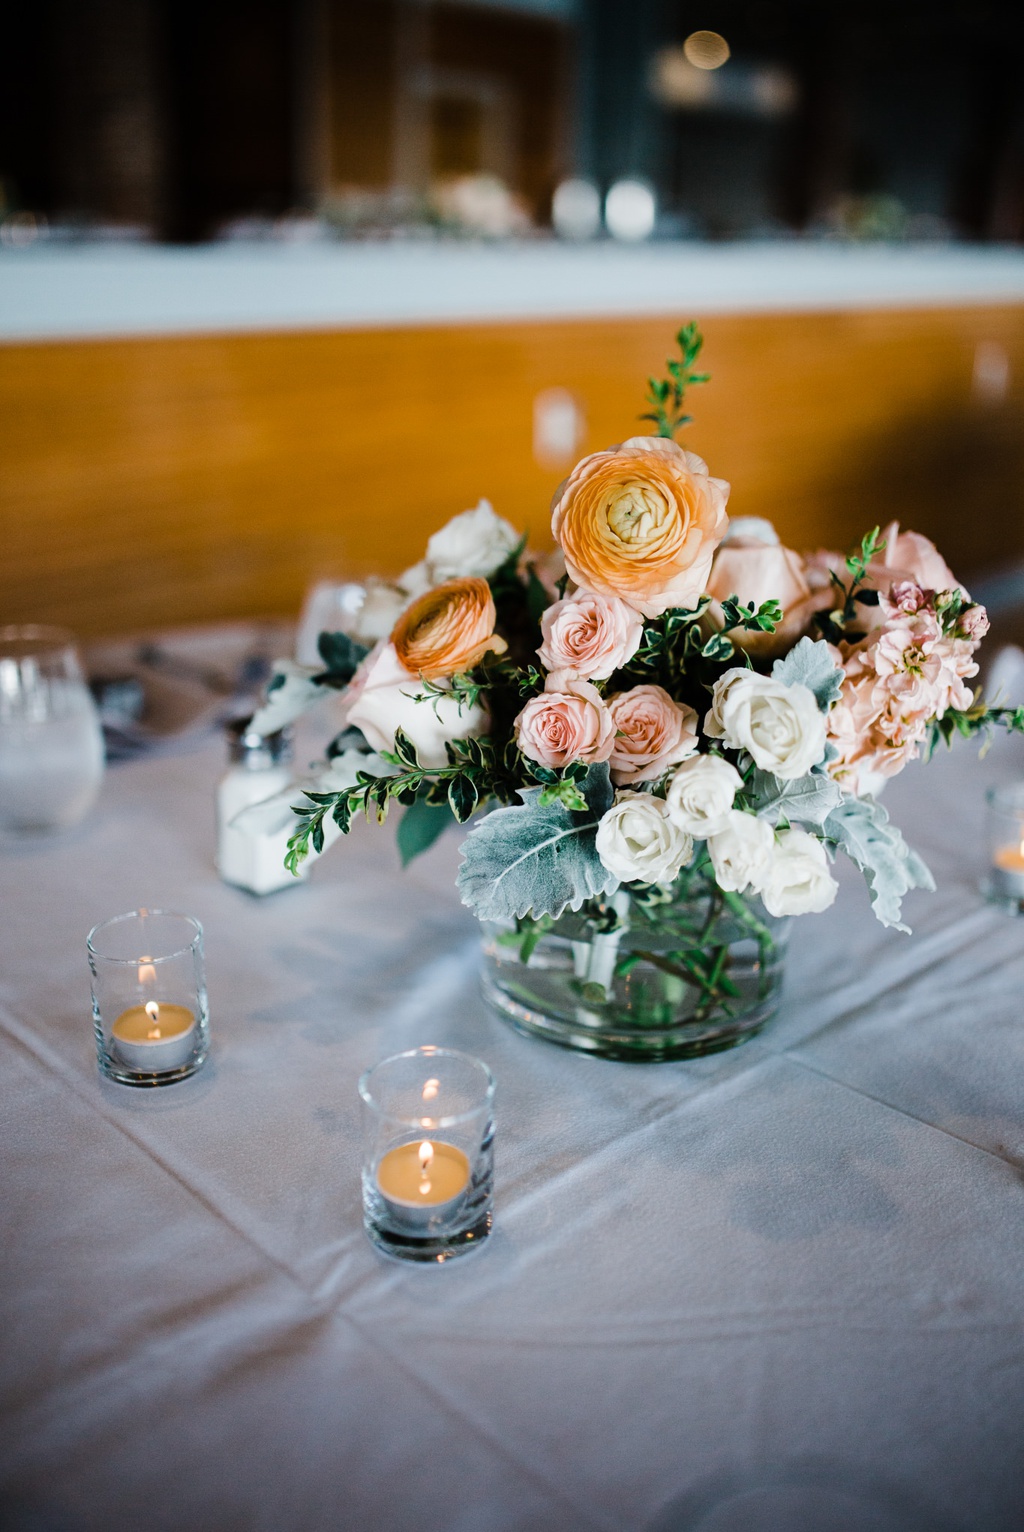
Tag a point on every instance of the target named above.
point(51, 743)
point(1004, 884)
point(428, 1163)
point(149, 1005)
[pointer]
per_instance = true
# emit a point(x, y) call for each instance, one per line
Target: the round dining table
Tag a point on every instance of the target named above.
point(779, 1287)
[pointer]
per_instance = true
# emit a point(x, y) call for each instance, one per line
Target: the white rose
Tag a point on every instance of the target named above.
point(637, 841)
point(476, 542)
point(798, 881)
point(781, 726)
point(700, 795)
point(385, 700)
point(379, 610)
point(741, 852)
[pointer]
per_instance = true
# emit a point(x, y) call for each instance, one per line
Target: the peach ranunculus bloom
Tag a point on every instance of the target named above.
point(755, 572)
point(567, 722)
point(652, 733)
point(448, 629)
point(589, 634)
point(641, 521)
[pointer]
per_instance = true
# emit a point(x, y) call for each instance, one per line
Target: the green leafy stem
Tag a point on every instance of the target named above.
point(666, 395)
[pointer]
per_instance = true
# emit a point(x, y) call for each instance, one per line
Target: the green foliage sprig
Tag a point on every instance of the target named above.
point(977, 721)
point(477, 770)
point(666, 395)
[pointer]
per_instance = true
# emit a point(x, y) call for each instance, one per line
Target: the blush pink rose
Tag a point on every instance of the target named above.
point(590, 634)
point(910, 556)
point(755, 572)
point(567, 722)
point(652, 733)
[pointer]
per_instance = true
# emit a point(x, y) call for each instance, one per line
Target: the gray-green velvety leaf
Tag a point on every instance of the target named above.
point(291, 691)
point(861, 827)
point(810, 663)
point(532, 861)
point(809, 800)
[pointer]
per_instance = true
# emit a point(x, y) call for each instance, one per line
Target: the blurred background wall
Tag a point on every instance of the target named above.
point(151, 477)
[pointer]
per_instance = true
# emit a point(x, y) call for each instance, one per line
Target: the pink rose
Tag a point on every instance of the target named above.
point(653, 733)
point(590, 635)
point(567, 722)
point(755, 572)
point(909, 556)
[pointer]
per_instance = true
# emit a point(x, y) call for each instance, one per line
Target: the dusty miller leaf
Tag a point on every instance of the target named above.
point(536, 861)
point(809, 800)
point(810, 664)
point(291, 692)
point(861, 827)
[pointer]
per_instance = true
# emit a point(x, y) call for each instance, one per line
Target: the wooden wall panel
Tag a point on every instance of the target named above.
point(183, 479)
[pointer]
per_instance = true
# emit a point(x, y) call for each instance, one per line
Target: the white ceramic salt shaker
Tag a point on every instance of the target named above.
point(249, 856)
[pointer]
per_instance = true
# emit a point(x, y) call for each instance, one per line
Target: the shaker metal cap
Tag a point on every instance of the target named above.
point(256, 752)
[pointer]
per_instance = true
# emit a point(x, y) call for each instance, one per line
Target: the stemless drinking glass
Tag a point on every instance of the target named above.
point(149, 1006)
point(428, 1162)
point(51, 743)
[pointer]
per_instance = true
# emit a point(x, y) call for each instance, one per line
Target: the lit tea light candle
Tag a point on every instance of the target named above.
point(154, 1037)
point(1008, 871)
point(423, 1181)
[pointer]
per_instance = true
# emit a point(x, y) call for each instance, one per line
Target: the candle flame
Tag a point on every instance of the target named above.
point(153, 1012)
point(426, 1152)
point(430, 1089)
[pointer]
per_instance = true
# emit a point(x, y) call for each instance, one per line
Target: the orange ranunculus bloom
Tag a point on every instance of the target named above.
point(641, 521)
point(449, 629)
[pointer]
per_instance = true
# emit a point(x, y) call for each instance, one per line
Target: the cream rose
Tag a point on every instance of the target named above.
point(476, 542)
point(781, 726)
point(567, 722)
point(385, 695)
point(652, 733)
point(741, 852)
point(448, 630)
point(641, 521)
point(700, 795)
point(639, 843)
point(589, 634)
point(798, 881)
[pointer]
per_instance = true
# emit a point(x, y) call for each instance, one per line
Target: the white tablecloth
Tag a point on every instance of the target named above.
point(781, 1287)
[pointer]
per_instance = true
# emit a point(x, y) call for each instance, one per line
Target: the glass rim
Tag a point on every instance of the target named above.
point(46, 635)
point(133, 962)
point(429, 1050)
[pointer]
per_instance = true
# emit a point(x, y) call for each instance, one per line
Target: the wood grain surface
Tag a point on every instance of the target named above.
point(170, 480)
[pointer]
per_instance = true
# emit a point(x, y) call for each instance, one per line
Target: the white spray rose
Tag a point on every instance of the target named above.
point(385, 695)
point(700, 795)
point(781, 726)
point(798, 881)
point(637, 841)
point(741, 852)
point(476, 542)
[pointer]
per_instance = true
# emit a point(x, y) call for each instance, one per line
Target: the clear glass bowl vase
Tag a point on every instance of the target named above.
point(644, 976)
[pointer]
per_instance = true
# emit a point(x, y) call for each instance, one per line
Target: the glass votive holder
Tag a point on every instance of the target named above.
point(51, 743)
point(1004, 884)
point(149, 1006)
point(428, 1161)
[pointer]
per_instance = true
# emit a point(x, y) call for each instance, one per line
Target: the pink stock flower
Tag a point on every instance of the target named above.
point(653, 733)
point(567, 722)
point(589, 634)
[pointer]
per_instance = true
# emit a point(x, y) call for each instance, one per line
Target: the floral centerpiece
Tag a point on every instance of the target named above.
point(661, 745)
